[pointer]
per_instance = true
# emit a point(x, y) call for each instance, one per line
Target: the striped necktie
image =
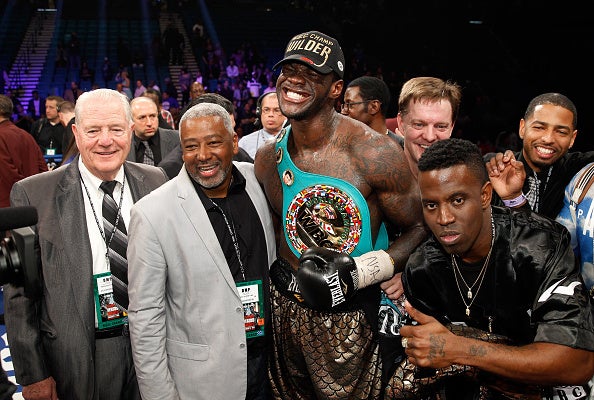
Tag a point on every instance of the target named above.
point(117, 243)
point(149, 157)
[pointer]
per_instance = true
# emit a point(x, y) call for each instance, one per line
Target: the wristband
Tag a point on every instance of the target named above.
point(518, 201)
point(374, 267)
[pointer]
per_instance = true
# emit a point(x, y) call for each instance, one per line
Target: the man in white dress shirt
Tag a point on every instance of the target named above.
point(271, 119)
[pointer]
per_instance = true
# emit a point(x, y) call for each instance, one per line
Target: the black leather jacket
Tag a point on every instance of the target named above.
point(532, 290)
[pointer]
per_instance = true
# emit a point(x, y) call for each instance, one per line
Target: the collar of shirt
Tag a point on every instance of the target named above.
point(94, 182)
point(152, 140)
point(237, 185)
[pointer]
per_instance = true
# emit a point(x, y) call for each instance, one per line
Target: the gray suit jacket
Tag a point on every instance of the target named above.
point(186, 316)
point(55, 334)
point(168, 138)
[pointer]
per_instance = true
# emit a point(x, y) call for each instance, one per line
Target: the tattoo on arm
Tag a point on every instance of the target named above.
point(436, 346)
point(478, 350)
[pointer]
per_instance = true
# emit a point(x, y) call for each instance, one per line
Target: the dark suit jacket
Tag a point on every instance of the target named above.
point(31, 108)
point(54, 335)
point(168, 140)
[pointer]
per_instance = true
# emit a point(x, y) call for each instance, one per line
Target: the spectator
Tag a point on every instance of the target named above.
point(169, 102)
point(271, 119)
point(226, 91)
point(36, 105)
point(11, 94)
point(88, 355)
point(149, 142)
point(123, 78)
point(367, 99)
point(184, 80)
point(428, 108)
point(254, 86)
point(232, 70)
point(165, 117)
point(153, 85)
point(532, 302)
point(49, 131)
point(21, 118)
point(66, 112)
point(548, 130)
point(140, 88)
point(199, 77)
point(203, 302)
point(170, 87)
point(247, 118)
point(73, 92)
point(196, 90)
point(20, 156)
point(577, 215)
point(270, 88)
point(172, 163)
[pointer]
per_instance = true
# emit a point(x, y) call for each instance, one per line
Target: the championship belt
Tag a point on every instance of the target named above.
point(323, 211)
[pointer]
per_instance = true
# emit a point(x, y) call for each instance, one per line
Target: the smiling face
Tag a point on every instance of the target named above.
point(103, 134)
point(455, 209)
point(208, 150)
point(547, 135)
point(425, 123)
point(303, 91)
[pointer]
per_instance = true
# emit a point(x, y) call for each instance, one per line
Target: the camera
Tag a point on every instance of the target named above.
point(18, 261)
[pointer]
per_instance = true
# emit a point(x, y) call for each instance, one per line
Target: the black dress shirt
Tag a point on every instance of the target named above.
point(155, 145)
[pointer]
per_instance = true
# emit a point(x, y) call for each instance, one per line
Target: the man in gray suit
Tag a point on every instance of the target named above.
point(147, 133)
point(199, 292)
point(57, 348)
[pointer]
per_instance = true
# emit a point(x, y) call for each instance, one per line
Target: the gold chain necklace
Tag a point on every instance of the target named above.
point(479, 279)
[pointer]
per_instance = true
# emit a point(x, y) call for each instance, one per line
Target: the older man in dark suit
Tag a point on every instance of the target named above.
point(62, 344)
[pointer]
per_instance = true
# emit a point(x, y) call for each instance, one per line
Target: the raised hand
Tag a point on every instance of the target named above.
point(507, 175)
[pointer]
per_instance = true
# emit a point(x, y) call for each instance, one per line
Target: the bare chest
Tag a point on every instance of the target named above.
point(334, 163)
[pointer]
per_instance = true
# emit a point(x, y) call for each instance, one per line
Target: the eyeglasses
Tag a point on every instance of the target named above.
point(348, 106)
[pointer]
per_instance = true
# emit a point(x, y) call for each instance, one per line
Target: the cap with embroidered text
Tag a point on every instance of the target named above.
point(316, 50)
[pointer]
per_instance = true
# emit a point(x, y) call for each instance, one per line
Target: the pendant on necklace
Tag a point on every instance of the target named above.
point(469, 294)
point(467, 311)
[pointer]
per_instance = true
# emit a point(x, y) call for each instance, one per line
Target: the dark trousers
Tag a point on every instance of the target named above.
point(115, 376)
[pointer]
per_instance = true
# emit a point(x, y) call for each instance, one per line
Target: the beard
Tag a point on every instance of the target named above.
point(212, 182)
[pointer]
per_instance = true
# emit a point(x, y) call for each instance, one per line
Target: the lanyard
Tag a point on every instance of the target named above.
point(231, 229)
point(107, 242)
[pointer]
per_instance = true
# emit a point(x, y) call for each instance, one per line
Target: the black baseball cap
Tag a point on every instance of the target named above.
point(316, 50)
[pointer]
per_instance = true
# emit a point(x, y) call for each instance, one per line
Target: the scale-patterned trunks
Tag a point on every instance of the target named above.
point(319, 355)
